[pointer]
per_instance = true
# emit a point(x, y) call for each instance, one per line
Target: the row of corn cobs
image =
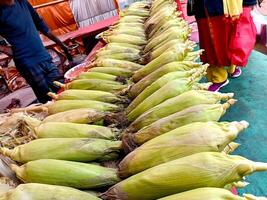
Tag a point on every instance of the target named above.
point(142, 97)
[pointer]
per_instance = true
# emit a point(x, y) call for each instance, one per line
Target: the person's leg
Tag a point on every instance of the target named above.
point(218, 76)
point(51, 74)
point(35, 77)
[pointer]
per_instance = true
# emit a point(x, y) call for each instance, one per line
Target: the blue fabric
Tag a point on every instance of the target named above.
point(19, 25)
point(41, 77)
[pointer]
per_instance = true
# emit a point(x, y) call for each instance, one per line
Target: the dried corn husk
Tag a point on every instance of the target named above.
point(184, 141)
point(209, 169)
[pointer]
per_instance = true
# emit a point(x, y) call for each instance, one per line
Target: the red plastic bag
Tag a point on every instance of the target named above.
point(243, 38)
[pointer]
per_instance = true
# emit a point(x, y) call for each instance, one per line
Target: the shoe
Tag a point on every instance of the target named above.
point(237, 73)
point(215, 87)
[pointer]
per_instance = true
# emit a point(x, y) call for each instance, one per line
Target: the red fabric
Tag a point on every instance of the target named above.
point(179, 8)
point(225, 41)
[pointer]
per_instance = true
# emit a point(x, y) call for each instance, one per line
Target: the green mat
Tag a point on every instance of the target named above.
point(251, 91)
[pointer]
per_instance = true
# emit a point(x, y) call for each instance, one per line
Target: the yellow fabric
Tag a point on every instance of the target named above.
point(217, 74)
point(233, 8)
point(231, 69)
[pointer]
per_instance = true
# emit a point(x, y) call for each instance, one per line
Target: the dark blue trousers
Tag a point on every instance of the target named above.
point(41, 77)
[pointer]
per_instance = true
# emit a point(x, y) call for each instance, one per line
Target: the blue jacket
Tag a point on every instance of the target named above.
point(206, 8)
point(19, 25)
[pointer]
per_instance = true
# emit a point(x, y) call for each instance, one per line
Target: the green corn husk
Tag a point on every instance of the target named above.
point(181, 34)
point(66, 173)
point(184, 141)
point(209, 169)
point(80, 116)
point(73, 130)
point(210, 194)
point(137, 12)
point(124, 38)
point(169, 90)
point(117, 63)
point(65, 105)
point(93, 84)
point(130, 31)
point(161, 79)
point(156, 53)
point(132, 57)
point(35, 191)
point(177, 104)
point(149, 90)
point(123, 45)
point(94, 95)
point(116, 71)
point(97, 75)
point(170, 67)
point(163, 59)
point(127, 26)
point(198, 113)
point(72, 149)
point(111, 49)
point(132, 19)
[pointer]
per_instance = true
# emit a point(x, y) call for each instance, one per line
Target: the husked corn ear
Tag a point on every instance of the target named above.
point(93, 84)
point(125, 38)
point(66, 173)
point(36, 191)
point(94, 95)
point(65, 105)
point(208, 169)
point(184, 141)
point(80, 116)
point(177, 104)
point(73, 130)
point(72, 149)
point(116, 71)
point(198, 113)
point(169, 90)
point(117, 63)
point(210, 194)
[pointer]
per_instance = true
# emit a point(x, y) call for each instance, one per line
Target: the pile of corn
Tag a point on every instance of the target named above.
point(141, 110)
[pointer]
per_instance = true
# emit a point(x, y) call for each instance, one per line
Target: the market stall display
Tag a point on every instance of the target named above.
point(137, 125)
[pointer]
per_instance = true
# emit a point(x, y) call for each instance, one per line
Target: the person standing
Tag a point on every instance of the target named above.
point(227, 34)
point(20, 25)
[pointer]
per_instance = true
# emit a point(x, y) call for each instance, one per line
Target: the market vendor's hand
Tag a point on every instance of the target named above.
point(67, 50)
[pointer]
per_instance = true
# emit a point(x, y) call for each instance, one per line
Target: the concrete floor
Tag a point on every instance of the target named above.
point(251, 92)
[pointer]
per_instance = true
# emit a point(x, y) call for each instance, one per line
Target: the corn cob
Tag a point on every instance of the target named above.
point(181, 34)
point(132, 57)
point(93, 84)
point(116, 71)
point(87, 95)
point(198, 113)
point(156, 53)
point(72, 149)
point(177, 104)
point(165, 58)
point(119, 31)
point(169, 90)
point(123, 45)
point(73, 130)
point(184, 141)
point(36, 191)
point(209, 169)
point(66, 173)
point(97, 75)
point(124, 38)
point(210, 194)
point(65, 105)
point(158, 77)
point(117, 63)
point(150, 89)
point(80, 116)
point(170, 67)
